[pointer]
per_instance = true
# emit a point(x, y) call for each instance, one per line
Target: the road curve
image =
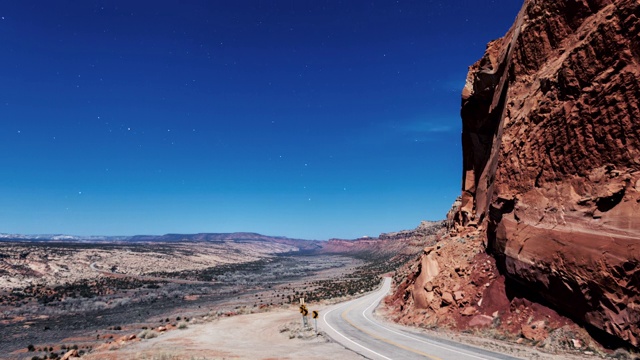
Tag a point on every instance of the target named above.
point(352, 324)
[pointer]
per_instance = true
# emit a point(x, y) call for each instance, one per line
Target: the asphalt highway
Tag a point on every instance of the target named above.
point(352, 324)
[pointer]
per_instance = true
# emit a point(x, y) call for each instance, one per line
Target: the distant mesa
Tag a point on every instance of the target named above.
point(145, 238)
point(302, 245)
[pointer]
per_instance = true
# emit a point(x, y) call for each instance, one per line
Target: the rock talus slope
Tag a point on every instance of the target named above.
point(551, 158)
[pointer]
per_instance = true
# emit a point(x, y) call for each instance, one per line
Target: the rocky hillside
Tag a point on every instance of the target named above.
point(551, 180)
point(402, 244)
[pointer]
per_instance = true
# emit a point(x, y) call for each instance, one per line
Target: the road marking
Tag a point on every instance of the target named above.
point(324, 317)
point(350, 305)
point(390, 342)
point(415, 338)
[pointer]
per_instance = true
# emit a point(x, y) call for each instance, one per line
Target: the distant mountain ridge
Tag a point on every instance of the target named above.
point(148, 238)
point(385, 244)
point(60, 237)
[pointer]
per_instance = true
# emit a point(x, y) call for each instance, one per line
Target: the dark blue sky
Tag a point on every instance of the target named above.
point(310, 119)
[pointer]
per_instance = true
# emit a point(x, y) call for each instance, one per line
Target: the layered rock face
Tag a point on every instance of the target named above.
point(399, 244)
point(551, 149)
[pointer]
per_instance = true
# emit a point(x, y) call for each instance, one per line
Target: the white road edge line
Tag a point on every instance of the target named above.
point(324, 317)
point(415, 338)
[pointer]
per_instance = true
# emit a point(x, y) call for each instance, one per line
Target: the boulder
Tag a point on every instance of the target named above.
point(447, 299)
point(535, 331)
point(480, 321)
point(468, 311)
point(69, 354)
point(428, 270)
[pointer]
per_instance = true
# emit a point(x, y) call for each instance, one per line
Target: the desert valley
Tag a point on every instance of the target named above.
point(74, 292)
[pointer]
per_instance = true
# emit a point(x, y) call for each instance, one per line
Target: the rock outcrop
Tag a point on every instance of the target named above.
point(551, 149)
point(403, 243)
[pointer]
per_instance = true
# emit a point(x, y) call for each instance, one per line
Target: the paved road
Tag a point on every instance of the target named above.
point(353, 325)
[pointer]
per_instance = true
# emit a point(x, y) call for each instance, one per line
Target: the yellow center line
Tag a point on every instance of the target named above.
point(344, 317)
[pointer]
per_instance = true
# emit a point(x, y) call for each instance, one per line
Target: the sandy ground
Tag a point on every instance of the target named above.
point(270, 335)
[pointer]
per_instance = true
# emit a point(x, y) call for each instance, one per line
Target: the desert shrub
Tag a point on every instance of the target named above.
point(31, 348)
point(121, 302)
point(622, 354)
point(182, 325)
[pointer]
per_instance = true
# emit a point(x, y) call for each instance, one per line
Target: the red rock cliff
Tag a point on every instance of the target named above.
point(551, 149)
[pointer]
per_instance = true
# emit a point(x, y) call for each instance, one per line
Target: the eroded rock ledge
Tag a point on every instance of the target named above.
point(551, 145)
point(551, 149)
